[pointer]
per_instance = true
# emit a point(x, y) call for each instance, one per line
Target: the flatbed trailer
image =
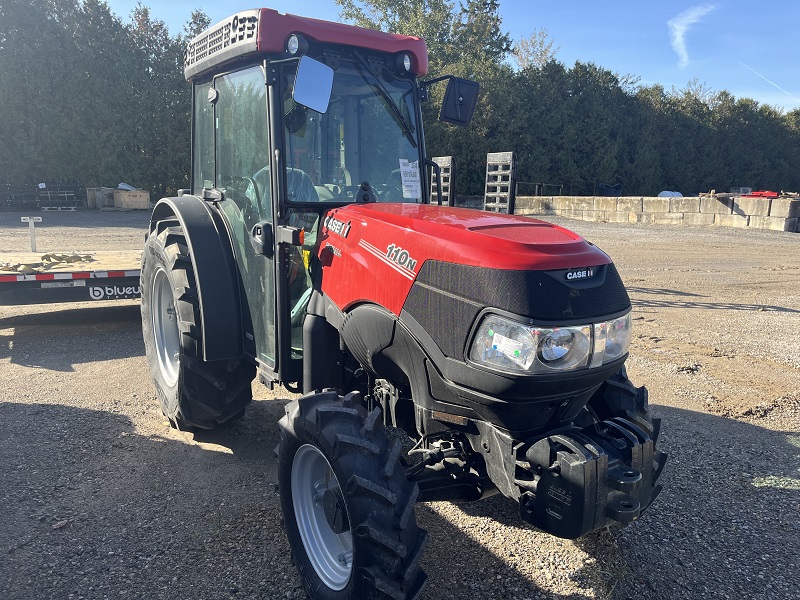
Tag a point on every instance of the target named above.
point(43, 278)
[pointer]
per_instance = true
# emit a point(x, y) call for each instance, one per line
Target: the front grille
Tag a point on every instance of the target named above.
point(446, 298)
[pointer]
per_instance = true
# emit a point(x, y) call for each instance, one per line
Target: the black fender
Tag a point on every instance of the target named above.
point(214, 270)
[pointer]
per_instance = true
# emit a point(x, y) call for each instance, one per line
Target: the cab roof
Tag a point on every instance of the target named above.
point(264, 30)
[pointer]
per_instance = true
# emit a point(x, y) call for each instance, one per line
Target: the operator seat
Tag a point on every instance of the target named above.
point(299, 187)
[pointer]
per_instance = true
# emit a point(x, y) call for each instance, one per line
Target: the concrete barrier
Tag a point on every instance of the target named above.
point(780, 214)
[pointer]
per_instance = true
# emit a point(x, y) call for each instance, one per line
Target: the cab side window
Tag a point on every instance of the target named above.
point(203, 155)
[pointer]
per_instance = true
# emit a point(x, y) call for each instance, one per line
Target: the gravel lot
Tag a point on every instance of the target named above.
point(100, 499)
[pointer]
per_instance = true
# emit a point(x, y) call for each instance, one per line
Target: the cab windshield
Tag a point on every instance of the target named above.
point(368, 134)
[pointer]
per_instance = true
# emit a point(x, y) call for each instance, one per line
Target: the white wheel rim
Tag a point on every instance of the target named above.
point(166, 334)
point(330, 553)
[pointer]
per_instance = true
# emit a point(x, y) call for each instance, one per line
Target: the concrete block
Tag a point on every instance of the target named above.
point(786, 208)
point(606, 204)
point(646, 218)
point(732, 220)
point(698, 219)
point(684, 205)
point(751, 206)
point(670, 218)
point(561, 202)
point(619, 217)
point(655, 205)
point(597, 216)
point(774, 223)
point(572, 214)
point(578, 203)
point(534, 205)
point(721, 206)
point(629, 205)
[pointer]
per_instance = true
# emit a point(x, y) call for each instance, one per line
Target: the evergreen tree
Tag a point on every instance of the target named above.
point(89, 96)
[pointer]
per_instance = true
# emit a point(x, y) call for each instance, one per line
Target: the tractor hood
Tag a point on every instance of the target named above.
point(374, 252)
point(475, 237)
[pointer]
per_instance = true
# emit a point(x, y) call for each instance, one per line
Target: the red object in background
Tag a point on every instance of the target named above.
point(761, 194)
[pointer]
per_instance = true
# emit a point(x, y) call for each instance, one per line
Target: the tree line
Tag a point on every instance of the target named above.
point(85, 94)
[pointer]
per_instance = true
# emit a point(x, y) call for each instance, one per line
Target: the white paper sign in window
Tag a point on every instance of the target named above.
point(409, 174)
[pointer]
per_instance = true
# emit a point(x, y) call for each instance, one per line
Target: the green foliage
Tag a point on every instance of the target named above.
point(582, 126)
point(534, 51)
point(87, 95)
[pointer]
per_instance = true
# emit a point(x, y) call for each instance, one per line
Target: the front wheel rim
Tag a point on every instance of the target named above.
point(165, 327)
point(330, 553)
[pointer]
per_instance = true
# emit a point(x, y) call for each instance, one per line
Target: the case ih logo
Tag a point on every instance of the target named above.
point(576, 274)
point(113, 292)
point(338, 227)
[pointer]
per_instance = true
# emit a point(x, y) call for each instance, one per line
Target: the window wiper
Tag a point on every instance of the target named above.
point(377, 84)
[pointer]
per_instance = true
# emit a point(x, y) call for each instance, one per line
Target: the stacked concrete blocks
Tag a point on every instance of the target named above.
point(782, 214)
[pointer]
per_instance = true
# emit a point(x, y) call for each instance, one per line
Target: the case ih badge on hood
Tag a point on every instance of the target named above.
point(337, 227)
point(578, 274)
point(496, 342)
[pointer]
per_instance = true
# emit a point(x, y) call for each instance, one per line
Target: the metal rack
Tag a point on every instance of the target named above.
point(501, 182)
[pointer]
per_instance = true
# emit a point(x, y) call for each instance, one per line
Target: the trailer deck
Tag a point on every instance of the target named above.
point(41, 278)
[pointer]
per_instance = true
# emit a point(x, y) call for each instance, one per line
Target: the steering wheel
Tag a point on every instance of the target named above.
point(394, 188)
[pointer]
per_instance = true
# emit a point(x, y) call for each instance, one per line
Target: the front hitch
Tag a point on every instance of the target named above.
point(582, 480)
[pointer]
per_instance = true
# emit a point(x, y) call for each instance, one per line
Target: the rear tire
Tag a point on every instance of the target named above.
point(193, 393)
point(347, 506)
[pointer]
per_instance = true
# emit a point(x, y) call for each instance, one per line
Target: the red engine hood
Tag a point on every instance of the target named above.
point(373, 252)
point(477, 238)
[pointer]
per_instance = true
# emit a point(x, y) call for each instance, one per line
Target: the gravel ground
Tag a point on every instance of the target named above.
point(100, 499)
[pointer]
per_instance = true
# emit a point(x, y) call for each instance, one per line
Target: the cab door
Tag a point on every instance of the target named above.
point(243, 175)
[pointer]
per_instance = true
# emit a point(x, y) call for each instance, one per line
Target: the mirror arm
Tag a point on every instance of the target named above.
point(285, 61)
point(423, 86)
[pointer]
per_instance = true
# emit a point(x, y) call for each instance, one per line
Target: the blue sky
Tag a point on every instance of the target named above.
point(749, 48)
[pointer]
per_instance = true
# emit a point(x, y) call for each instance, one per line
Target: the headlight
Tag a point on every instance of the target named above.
point(507, 345)
point(404, 62)
point(296, 44)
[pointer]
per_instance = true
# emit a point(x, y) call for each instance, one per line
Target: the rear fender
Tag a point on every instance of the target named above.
point(214, 270)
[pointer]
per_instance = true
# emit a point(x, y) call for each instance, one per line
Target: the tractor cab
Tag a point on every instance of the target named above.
point(292, 117)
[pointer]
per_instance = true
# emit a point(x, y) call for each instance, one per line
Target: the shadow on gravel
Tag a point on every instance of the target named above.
point(651, 303)
point(663, 292)
point(94, 509)
point(711, 306)
point(59, 339)
point(726, 525)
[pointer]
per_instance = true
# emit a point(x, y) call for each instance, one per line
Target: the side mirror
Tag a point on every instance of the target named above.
point(460, 100)
point(313, 84)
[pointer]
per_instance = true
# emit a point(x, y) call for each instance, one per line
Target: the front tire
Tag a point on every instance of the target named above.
point(347, 506)
point(193, 393)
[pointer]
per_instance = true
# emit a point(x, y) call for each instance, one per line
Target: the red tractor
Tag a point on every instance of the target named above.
point(443, 353)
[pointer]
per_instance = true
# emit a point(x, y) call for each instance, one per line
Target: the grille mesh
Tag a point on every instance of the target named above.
point(446, 298)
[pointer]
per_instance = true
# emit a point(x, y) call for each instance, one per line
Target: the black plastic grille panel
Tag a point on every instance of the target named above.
point(446, 298)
